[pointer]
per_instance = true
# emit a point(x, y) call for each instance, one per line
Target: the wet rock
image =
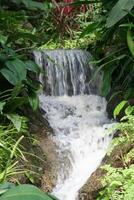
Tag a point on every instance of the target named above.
point(90, 190)
point(51, 165)
point(45, 149)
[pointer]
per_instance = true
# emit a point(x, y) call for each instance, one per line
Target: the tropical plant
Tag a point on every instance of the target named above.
point(118, 181)
point(16, 86)
point(118, 184)
point(64, 17)
point(19, 34)
point(28, 192)
point(18, 80)
point(114, 48)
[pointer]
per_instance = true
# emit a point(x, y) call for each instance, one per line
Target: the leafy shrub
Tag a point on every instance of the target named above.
point(21, 31)
point(18, 35)
point(14, 72)
point(114, 47)
point(118, 184)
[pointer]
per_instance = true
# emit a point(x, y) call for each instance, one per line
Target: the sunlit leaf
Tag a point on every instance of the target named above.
point(16, 120)
point(119, 107)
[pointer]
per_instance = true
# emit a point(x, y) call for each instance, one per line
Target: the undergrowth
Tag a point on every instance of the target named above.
point(118, 183)
point(76, 43)
point(14, 159)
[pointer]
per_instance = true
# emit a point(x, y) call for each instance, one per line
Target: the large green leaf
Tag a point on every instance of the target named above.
point(18, 68)
point(33, 100)
point(25, 192)
point(119, 11)
point(15, 71)
point(9, 75)
point(119, 107)
point(16, 120)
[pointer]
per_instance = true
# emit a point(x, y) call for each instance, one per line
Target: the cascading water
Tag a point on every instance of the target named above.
point(79, 120)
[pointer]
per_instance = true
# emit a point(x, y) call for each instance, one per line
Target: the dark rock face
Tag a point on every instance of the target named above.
point(50, 166)
point(46, 148)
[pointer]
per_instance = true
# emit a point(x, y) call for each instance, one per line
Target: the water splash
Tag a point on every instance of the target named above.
point(79, 124)
point(79, 121)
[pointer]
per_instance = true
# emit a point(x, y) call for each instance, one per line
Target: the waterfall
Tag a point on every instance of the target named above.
point(76, 114)
point(67, 72)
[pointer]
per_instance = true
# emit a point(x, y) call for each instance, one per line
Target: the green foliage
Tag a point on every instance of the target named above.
point(77, 43)
point(14, 72)
point(118, 184)
point(10, 150)
point(16, 120)
point(20, 33)
point(125, 126)
point(119, 107)
point(113, 45)
point(28, 192)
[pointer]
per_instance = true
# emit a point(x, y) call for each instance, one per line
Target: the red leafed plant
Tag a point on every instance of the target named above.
point(68, 9)
point(64, 16)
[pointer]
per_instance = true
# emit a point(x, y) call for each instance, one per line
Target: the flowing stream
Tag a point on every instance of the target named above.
point(77, 115)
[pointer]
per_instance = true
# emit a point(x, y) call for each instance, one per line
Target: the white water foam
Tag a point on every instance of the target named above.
point(79, 124)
